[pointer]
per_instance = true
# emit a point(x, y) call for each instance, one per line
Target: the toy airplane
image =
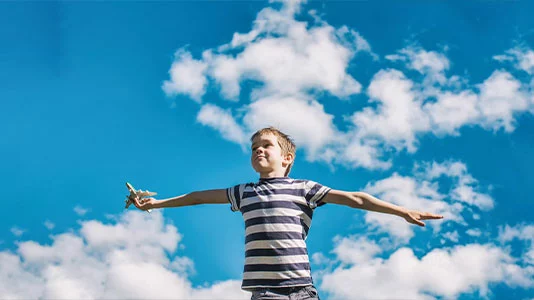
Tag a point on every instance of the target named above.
point(139, 194)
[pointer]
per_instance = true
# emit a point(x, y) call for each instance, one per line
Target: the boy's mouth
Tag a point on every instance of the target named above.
point(258, 157)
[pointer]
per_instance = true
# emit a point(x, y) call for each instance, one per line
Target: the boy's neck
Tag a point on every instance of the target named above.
point(273, 174)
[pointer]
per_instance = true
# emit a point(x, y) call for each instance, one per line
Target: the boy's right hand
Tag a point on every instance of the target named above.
point(145, 203)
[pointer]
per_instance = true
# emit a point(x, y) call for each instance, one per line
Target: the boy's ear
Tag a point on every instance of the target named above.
point(289, 158)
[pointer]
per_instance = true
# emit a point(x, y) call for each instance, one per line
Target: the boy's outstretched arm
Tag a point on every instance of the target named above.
point(200, 197)
point(365, 201)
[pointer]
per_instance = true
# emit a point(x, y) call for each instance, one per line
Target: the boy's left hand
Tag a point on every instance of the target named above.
point(415, 217)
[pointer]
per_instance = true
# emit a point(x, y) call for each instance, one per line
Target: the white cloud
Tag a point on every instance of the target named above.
point(437, 104)
point(422, 192)
point(431, 63)
point(222, 121)
point(289, 59)
point(474, 232)
point(521, 232)
point(466, 193)
point(49, 225)
point(362, 153)
point(426, 61)
point(16, 231)
point(187, 76)
point(501, 99)
point(355, 250)
point(353, 40)
point(288, 56)
point(319, 258)
point(80, 211)
point(521, 56)
point(452, 236)
point(303, 119)
point(301, 60)
point(445, 273)
point(451, 111)
point(407, 109)
point(227, 73)
point(183, 265)
point(290, 64)
point(398, 116)
point(449, 168)
point(465, 186)
point(133, 258)
point(411, 193)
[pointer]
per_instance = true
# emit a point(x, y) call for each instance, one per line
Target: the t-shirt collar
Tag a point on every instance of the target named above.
point(273, 179)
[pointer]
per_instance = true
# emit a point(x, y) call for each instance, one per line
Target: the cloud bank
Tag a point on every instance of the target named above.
point(290, 66)
point(132, 258)
point(472, 262)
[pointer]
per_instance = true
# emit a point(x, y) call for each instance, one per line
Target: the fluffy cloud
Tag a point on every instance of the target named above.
point(288, 56)
point(406, 109)
point(431, 63)
point(446, 272)
point(521, 56)
point(187, 76)
point(451, 111)
point(501, 99)
point(409, 192)
point(358, 152)
point(303, 119)
point(289, 65)
point(222, 121)
point(422, 192)
point(16, 231)
point(465, 188)
point(133, 258)
point(290, 60)
point(80, 211)
point(474, 232)
point(521, 232)
point(383, 270)
point(355, 250)
point(398, 116)
point(49, 225)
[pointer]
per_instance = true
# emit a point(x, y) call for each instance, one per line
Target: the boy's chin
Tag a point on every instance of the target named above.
point(260, 169)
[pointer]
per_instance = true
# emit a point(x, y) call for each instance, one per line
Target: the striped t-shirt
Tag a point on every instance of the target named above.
point(278, 214)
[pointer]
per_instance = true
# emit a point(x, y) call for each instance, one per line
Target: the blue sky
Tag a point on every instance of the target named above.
point(426, 105)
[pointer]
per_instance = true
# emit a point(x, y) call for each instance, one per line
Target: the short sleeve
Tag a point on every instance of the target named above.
point(234, 195)
point(315, 193)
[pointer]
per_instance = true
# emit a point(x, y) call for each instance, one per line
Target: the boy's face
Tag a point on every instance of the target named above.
point(267, 156)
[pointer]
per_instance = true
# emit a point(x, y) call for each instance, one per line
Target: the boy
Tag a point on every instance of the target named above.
point(278, 211)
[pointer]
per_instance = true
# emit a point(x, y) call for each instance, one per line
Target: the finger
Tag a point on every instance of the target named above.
point(143, 203)
point(135, 200)
point(428, 216)
point(417, 222)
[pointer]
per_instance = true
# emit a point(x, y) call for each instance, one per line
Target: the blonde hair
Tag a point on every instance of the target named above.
point(286, 143)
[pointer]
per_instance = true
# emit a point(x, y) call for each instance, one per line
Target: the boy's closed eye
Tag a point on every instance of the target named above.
point(264, 146)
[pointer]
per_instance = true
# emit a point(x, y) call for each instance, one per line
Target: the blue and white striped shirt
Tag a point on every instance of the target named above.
point(278, 214)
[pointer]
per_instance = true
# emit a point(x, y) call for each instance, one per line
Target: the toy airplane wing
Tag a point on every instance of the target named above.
point(136, 193)
point(142, 194)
